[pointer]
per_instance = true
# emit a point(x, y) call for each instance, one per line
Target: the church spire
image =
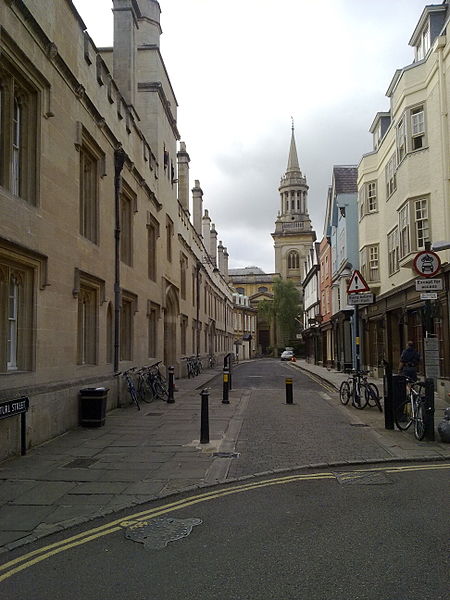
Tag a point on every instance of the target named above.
point(293, 166)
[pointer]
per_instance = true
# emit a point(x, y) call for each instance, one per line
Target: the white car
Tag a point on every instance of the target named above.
point(287, 355)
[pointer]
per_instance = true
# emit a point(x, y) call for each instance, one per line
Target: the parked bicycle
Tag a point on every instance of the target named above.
point(361, 391)
point(152, 385)
point(130, 385)
point(212, 361)
point(194, 366)
point(412, 410)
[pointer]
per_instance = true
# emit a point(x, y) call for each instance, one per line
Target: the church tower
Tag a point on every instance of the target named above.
point(293, 236)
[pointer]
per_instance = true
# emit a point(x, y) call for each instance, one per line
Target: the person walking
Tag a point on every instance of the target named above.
point(409, 361)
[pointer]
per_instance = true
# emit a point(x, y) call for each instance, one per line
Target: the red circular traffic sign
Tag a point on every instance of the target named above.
point(427, 263)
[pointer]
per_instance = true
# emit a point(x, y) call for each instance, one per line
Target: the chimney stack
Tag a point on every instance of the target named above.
point(206, 227)
point(183, 177)
point(213, 244)
point(225, 263)
point(124, 48)
point(197, 207)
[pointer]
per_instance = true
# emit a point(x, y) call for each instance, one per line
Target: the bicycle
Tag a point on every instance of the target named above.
point(212, 361)
point(157, 383)
point(360, 391)
point(412, 410)
point(130, 385)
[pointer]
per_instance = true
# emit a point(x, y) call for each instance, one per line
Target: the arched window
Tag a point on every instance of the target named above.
point(262, 289)
point(293, 260)
point(240, 290)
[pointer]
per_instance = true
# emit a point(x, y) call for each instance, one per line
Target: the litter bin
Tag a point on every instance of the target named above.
point(93, 406)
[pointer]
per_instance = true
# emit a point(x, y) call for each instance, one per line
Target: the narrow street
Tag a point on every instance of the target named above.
point(336, 529)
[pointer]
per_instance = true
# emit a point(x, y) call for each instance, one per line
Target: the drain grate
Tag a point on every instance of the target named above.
point(226, 454)
point(358, 425)
point(80, 463)
point(153, 414)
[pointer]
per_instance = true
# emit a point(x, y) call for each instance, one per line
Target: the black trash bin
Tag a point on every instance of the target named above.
point(93, 406)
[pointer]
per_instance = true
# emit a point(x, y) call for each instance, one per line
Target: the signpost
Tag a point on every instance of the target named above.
point(361, 298)
point(13, 408)
point(428, 285)
point(427, 263)
point(355, 290)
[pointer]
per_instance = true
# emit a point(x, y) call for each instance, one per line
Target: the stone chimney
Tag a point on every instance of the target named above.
point(183, 177)
point(206, 228)
point(197, 207)
point(225, 263)
point(124, 49)
point(149, 31)
point(220, 258)
point(213, 244)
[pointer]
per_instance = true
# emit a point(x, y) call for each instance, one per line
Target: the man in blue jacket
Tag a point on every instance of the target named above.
point(409, 361)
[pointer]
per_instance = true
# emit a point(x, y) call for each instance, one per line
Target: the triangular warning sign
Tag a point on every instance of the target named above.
point(357, 283)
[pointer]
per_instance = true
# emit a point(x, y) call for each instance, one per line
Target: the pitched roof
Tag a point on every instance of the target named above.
point(345, 179)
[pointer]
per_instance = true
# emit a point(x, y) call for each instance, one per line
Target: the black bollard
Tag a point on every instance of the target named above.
point(204, 419)
point(289, 390)
point(388, 400)
point(226, 375)
point(170, 398)
point(398, 392)
point(429, 410)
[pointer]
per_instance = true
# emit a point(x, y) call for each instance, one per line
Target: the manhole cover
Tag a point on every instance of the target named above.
point(157, 533)
point(226, 454)
point(362, 478)
point(80, 463)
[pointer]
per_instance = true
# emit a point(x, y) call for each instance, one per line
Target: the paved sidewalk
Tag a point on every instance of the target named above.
point(400, 444)
point(137, 456)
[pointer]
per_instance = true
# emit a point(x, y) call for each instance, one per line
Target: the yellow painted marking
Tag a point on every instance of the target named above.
point(46, 552)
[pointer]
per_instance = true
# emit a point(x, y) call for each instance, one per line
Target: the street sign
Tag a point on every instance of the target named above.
point(428, 285)
point(427, 263)
point(357, 283)
point(428, 296)
point(361, 298)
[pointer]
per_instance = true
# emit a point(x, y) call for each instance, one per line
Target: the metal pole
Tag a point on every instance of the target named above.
point(226, 375)
point(204, 421)
point(23, 433)
point(388, 400)
point(289, 390)
point(119, 160)
point(357, 340)
point(429, 410)
point(170, 398)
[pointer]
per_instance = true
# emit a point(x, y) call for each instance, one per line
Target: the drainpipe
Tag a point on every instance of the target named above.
point(119, 160)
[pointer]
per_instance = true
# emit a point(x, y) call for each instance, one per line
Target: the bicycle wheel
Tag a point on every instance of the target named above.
point(419, 421)
point(359, 398)
point(134, 397)
point(161, 390)
point(403, 415)
point(345, 392)
point(144, 392)
point(373, 396)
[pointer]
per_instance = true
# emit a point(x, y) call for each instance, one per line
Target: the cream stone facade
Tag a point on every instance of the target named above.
point(404, 206)
point(101, 267)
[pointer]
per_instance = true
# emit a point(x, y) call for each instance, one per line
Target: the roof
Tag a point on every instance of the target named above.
point(246, 271)
point(345, 179)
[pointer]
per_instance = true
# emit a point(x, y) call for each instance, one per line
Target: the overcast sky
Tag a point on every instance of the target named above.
point(240, 70)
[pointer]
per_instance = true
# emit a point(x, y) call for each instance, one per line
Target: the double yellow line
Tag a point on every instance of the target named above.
point(36, 556)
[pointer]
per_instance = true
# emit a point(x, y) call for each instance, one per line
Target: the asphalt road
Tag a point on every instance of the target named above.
point(380, 533)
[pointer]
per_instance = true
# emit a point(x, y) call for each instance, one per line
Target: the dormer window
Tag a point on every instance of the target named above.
point(424, 43)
